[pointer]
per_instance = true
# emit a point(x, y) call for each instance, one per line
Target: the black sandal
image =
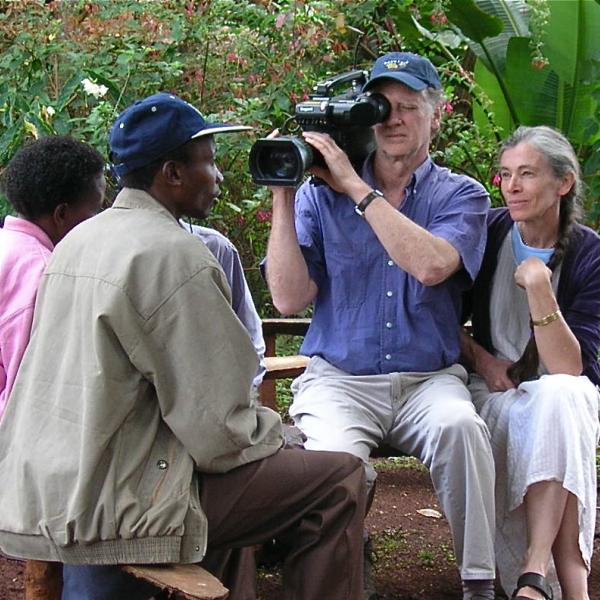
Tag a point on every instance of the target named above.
point(537, 582)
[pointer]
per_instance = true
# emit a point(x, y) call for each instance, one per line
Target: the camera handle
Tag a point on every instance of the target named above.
point(325, 88)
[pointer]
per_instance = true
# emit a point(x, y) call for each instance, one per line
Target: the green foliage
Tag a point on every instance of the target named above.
point(538, 63)
point(69, 66)
point(286, 345)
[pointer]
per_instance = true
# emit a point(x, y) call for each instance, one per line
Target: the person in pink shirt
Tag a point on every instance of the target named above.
point(53, 184)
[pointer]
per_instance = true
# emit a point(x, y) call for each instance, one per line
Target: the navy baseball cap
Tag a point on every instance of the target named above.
point(153, 127)
point(414, 71)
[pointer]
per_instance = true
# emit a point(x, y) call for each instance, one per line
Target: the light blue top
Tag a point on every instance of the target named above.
point(370, 316)
point(521, 251)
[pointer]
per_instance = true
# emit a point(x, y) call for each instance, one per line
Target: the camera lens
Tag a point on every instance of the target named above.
point(280, 161)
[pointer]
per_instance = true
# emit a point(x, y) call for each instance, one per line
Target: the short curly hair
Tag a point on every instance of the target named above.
point(48, 172)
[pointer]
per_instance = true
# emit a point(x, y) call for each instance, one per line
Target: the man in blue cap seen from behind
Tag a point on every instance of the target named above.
point(135, 436)
point(383, 255)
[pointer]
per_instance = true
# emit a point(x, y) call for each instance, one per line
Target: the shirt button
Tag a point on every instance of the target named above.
point(197, 548)
point(162, 464)
point(388, 325)
point(389, 293)
point(390, 263)
point(388, 357)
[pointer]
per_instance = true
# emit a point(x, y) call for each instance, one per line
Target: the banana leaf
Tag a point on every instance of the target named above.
point(561, 94)
point(489, 25)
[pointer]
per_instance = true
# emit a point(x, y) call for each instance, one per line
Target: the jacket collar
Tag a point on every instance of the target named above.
point(130, 198)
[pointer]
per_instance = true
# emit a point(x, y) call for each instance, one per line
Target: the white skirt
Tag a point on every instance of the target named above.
point(545, 430)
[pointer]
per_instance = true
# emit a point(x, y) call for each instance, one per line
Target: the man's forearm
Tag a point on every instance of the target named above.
point(287, 273)
point(426, 257)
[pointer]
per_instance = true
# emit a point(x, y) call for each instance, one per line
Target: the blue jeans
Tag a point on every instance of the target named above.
point(86, 582)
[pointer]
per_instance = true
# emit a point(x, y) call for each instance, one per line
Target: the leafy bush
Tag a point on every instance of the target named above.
point(69, 66)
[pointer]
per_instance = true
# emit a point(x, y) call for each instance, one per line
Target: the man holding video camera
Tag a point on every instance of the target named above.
point(383, 255)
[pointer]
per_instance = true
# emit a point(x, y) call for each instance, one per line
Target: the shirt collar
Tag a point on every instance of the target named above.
point(421, 173)
point(28, 228)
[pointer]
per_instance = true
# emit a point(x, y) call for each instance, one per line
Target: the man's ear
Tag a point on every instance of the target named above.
point(171, 171)
point(57, 224)
point(60, 212)
point(436, 120)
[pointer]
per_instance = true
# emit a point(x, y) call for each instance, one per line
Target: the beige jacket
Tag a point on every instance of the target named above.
point(137, 374)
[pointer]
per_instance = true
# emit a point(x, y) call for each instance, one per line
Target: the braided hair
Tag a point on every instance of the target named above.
point(559, 153)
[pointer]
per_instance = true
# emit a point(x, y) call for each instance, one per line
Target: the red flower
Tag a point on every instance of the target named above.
point(539, 63)
point(448, 108)
point(496, 180)
point(263, 215)
point(438, 18)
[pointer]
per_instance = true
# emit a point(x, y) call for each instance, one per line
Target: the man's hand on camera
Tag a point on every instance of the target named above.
point(340, 175)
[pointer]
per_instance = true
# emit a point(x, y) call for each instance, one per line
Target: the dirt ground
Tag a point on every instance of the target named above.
point(414, 558)
point(413, 551)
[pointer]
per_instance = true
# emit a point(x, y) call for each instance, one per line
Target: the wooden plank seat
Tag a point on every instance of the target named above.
point(43, 580)
point(282, 367)
point(189, 582)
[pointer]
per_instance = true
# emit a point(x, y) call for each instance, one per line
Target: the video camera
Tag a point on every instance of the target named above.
point(347, 118)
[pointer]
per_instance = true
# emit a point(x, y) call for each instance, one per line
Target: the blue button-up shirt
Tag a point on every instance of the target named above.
point(370, 316)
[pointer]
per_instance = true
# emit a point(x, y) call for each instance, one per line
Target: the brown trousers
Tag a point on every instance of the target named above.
point(316, 500)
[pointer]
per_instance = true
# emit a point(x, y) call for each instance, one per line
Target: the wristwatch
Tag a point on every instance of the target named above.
point(360, 208)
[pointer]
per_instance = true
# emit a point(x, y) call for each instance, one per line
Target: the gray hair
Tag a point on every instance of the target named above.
point(435, 98)
point(561, 157)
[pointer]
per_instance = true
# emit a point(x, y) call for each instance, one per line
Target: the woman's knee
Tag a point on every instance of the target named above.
point(555, 394)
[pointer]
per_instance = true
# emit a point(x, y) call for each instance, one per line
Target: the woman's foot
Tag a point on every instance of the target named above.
point(528, 593)
point(532, 586)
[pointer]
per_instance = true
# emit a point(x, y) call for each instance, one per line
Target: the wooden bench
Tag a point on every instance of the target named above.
point(280, 367)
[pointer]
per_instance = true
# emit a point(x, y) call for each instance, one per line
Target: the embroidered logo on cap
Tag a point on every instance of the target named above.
point(395, 65)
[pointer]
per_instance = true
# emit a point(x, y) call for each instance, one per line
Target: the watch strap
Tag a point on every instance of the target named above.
point(360, 208)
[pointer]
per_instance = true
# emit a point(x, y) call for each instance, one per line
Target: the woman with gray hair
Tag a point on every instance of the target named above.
point(535, 309)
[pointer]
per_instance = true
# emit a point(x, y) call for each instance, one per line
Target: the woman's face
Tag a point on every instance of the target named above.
point(531, 190)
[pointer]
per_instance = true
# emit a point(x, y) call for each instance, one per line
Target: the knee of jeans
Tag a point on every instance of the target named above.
point(335, 441)
point(462, 422)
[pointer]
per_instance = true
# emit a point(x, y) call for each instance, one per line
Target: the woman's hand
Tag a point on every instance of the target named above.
point(532, 273)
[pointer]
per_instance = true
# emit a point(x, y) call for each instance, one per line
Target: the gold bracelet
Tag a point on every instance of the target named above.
point(553, 316)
